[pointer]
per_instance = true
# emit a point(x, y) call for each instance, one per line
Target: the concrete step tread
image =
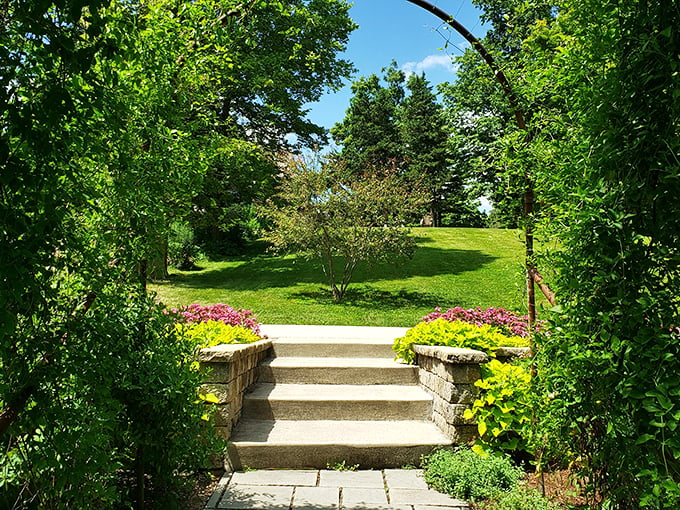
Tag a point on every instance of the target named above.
point(332, 333)
point(339, 392)
point(331, 432)
point(313, 362)
point(338, 340)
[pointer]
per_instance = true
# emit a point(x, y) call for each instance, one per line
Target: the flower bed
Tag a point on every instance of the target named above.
point(220, 313)
point(509, 323)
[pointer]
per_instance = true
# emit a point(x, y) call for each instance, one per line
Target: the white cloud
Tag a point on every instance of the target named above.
point(429, 62)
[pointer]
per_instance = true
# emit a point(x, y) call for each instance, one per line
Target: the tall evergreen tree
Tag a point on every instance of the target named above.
point(424, 135)
point(398, 123)
point(369, 134)
point(479, 111)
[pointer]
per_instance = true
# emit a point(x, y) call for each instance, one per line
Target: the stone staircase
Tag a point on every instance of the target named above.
point(331, 395)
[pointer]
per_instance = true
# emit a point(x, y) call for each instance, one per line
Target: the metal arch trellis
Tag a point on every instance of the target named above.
point(532, 275)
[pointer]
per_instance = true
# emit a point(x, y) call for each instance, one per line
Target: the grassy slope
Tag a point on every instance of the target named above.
point(452, 267)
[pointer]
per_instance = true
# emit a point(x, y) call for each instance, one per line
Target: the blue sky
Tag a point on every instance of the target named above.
point(398, 30)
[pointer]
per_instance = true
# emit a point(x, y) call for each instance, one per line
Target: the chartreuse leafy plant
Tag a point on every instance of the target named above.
point(442, 332)
point(503, 410)
point(508, 322)
point(211, 333)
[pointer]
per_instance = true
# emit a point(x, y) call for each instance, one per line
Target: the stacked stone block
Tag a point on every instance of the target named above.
point(229, 370)
point(449, 374)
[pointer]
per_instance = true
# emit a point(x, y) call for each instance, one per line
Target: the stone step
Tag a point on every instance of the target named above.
point(333, 341)
point(291, 370)
point(296, 444)
point(266, 401)
point(334, 347)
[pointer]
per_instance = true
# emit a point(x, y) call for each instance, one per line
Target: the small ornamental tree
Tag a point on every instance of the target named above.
point(324, 212)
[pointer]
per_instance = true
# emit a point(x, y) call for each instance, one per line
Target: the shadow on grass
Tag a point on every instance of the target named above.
point(277, 272)
point(368, 297)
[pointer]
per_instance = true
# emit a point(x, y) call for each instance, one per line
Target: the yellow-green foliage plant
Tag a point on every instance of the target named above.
point(211, 333)
point(503, 409)
point(484, 338)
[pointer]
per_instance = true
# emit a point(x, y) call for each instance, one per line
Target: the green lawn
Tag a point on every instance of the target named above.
point(452, 267)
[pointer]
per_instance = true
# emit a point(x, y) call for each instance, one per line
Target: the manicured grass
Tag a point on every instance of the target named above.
point(452, 267)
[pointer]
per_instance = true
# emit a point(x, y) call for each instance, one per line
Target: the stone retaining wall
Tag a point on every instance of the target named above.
point(229, 370)
point(449, 375)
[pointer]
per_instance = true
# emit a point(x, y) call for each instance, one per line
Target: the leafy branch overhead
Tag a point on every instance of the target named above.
point(324, 212)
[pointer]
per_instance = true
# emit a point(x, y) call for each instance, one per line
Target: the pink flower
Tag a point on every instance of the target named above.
point(509, 323)
point(221, 313)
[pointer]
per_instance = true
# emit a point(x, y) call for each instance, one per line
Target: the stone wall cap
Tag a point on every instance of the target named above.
point(452, 354)
point(513, 352)
point(225, 353)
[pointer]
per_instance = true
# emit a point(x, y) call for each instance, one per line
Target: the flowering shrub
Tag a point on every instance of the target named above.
point(220, 313)
point(509, 323)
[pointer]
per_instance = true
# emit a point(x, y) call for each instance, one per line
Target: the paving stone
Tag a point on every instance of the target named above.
point(356, 497)
point(312, 498)
point(361, 479)
point(423, 497)
point(276, 477)
point(437, 507)
point(217, 494)
point(246, 497)
point(405, 479)
point(373, 506)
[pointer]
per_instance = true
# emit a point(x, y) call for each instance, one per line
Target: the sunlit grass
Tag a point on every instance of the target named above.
point(452, 267)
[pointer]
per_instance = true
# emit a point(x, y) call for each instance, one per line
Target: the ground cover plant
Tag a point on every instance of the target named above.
point(455, 266)
point(207, 326)
point(461, 334)
point(465, 475)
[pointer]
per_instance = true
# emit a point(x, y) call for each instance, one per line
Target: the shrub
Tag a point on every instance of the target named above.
point(509, 323)
point(220, 313)
point(520, 498)
point(453, 334)
point(465, 475)
point(182, 250)
point(211, 333)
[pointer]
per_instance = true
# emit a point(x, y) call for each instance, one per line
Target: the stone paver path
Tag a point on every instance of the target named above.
point(395, 489)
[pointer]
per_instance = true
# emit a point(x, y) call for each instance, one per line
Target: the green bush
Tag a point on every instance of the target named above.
point(454, 334)
point(520, 498)
point(211, 333)
point(466, 475)
point(182, 249)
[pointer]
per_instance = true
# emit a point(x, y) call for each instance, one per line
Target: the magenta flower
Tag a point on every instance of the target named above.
point(221, 313)
point(509, 323)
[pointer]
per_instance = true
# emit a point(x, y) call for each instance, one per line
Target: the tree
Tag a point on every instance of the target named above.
point(481, 117)
point(277, 57)
point(106, 111)
point(424, 136)
point(282, 55)
point(369, 133)
point(612, 359)
point(239, 174)
point(401, 124)
point(341, 219)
